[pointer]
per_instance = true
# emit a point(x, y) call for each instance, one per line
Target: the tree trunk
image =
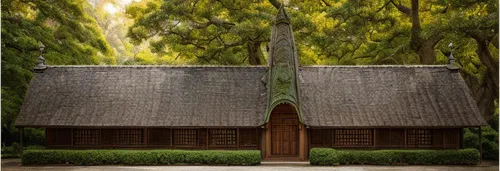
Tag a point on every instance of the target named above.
point(254, 53)
point(426, 53)
point(484, 93)
point(487, 59)
point(415, 39)
point(415, 20)
point(423, 47)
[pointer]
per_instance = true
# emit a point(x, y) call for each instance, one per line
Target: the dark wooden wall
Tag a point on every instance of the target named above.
point(250, 138)
point(195, 138)
point(388, 138)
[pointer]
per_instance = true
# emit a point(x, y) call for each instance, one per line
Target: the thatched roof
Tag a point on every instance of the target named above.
point(386, 96)
point(139, 96)
point(196, 96)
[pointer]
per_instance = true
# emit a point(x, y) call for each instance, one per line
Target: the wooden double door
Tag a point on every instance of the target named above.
point(284, 134)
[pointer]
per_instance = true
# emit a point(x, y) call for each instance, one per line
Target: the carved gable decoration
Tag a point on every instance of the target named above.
point(283, 65)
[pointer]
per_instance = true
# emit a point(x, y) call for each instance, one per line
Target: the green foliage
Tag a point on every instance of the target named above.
point(34, 137)
point(70, 35)
point(12, 151)
point(494, 120)
point(141, 157)
point(323, 156)
point(327, 156)
point(218, 32)
point(490, 141)
point(15, 150)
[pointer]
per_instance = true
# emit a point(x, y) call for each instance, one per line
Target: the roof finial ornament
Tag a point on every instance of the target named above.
point(451, 60)
point(40, 65)
point(282, 17)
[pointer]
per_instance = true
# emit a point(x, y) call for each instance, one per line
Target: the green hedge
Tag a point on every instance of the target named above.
point(15, 151)
point(11, 151)
point(141, 157)
point(328, 156)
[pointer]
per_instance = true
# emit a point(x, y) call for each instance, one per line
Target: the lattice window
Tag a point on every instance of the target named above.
point(86, 137)
point(222, 136)
point(353, 137)
point(128, 137)
point(159, 136)
point(248, 137)
point(419, 137)
point(185, 136)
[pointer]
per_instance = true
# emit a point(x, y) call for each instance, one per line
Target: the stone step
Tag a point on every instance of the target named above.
point(284, 163)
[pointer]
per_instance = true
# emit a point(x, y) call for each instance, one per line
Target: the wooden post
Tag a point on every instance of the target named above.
point(171, 138)
point(237, 138)
point(443, 131)
point(461, 141)
point(390, 137)
point(308, 136)
point(263, 141)
point(332, 133)
point(21, 137)
point(47, 140)
point(480, 145)
point(197, 136)
point(258, 139)
point(100, 137)
point(306, 143)
point(206, 137)
point(374, 139)
point(302, 142)
point(71, 129)
point(406, 130)
point(268, 140)
point(145, 137)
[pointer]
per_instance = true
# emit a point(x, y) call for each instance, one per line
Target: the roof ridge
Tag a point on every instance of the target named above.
point(243, 66)
point(157, 66)
point(374, 66)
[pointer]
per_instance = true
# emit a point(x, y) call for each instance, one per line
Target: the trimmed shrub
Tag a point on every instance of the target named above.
point(323, 156)
point(140, 157)
point(490, 141)
point(327, 156)
point(12, 151)
point(15, 151)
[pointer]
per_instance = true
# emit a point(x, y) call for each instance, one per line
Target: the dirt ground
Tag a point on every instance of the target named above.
point(15, 165)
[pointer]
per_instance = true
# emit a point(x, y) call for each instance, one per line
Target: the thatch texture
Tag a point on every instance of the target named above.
point(137, 96)
point(386, 96)
point(196, 96)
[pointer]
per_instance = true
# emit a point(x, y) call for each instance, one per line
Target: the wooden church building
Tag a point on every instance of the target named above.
point(282, 109)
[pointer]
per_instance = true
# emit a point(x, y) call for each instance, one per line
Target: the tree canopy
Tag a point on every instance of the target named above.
point(71, 37)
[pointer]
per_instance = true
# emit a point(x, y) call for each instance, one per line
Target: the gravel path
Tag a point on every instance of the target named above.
point(15, 165)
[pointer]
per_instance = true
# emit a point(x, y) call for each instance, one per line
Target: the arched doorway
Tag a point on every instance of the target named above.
point(284, 126)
